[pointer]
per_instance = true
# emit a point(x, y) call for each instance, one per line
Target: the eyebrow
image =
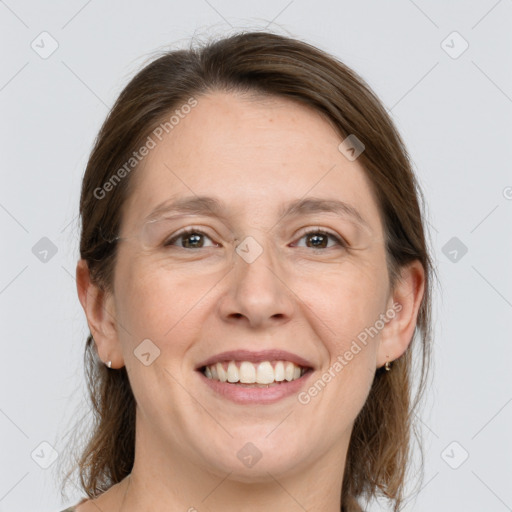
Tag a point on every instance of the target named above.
point(205, 205)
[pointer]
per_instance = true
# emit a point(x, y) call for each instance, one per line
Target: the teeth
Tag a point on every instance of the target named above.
point(265, 373)
point(221, 373)
point(249, 373)
point(233, 374)
point(288, 371)
point(279, 371)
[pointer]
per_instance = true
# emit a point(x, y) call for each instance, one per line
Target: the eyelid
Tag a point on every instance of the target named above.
point(340, 240)
point(318, 229)
point(186, 231)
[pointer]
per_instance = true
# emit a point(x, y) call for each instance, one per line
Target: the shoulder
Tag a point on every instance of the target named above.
point(73, 508)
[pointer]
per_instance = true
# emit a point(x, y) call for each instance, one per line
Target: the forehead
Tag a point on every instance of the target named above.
point(252, 153)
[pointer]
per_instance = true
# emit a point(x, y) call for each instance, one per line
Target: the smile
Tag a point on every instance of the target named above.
point(263, 373)
point(248, 377)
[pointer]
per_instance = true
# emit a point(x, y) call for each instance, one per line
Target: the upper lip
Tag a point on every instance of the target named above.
point(256, 357)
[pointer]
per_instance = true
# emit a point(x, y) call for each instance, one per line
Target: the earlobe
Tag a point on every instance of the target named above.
point(99, 309)
point(405, 300)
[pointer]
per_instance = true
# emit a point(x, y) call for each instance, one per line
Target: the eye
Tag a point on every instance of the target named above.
point(319, 238)
point(192, 238)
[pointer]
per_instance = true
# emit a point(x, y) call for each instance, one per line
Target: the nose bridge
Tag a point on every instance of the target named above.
point(257, 288)
point(256, 263)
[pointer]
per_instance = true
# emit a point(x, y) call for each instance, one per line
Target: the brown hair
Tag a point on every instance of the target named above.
point(261, 62)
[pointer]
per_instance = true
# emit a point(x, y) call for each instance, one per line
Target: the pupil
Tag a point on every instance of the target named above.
point(317, 237)
point(194, 237)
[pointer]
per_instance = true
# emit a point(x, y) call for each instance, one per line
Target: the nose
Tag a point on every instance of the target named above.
point(257, 292)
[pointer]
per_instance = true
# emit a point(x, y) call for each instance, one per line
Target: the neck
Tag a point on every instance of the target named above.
point(166, 479)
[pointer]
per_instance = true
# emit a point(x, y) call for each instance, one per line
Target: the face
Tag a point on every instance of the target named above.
point(265, 292)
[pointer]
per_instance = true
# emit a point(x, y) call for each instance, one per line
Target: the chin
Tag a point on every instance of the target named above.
point(251, 461)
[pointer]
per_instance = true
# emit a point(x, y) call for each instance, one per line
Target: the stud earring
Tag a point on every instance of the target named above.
point(109, 364)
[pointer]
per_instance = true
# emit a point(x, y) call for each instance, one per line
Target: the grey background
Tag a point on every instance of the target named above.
point(454, 114)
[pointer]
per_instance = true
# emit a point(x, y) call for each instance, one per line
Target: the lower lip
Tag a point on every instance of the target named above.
point(245, 395)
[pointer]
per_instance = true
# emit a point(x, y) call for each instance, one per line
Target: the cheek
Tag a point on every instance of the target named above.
point(158, 304)
point(344, 308)
point(344, 302)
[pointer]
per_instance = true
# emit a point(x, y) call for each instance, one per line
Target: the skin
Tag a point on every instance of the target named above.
point(253, 154)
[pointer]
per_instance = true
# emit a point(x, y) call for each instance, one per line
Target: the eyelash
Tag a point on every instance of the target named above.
point(193, 231)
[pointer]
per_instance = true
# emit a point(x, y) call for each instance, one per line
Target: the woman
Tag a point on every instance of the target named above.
point(255, 277)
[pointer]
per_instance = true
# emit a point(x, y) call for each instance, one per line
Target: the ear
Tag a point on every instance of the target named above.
point(405, 300)
point(99, 309)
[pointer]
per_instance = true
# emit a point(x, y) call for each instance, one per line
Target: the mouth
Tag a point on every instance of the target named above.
point(248, 374)
point(255, 377)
